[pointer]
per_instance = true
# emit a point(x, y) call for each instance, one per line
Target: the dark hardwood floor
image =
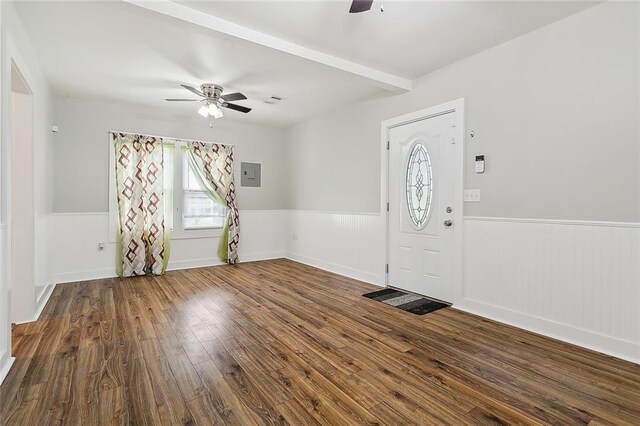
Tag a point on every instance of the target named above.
point(277, 342)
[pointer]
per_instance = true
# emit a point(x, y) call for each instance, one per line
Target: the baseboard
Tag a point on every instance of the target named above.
point(338, 269)
point(214, 261)
point(263, 256)
point(43, 299)
point(41, 302)
point(96, 274)
point(618, 348)
point(5, 367)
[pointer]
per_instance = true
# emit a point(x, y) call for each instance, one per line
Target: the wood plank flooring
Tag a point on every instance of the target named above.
point(277, 342)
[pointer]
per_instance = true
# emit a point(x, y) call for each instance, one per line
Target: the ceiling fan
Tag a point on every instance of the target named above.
point(358, 6)
point(214, 100)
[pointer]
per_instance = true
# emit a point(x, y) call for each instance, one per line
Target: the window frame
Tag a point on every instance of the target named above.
point(185, 165)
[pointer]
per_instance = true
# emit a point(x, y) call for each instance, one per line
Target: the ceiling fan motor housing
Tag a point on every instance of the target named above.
point(211, 91)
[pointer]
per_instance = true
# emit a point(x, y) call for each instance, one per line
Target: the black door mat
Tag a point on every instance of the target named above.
point(409, 302)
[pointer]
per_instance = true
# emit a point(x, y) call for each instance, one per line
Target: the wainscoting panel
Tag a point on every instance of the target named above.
point(349, 244)
point(76, 237)
point(577, 281)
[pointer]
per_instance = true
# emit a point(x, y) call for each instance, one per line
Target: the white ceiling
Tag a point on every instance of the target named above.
point(122, 52)
point(410, 38)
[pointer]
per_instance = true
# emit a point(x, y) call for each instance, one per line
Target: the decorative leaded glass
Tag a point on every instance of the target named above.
point(419, 185)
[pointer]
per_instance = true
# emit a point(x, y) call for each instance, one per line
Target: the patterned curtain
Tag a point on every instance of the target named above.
point(142, 247)
point(213, 165)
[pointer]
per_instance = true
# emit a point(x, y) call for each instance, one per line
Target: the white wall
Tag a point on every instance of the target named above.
point(82, 144)
point(15, 47)
point(555, 112)
point(553, 245)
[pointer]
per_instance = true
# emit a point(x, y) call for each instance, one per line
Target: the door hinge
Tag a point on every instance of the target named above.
point(387, 268)
point(387, 145)
point(387, 206)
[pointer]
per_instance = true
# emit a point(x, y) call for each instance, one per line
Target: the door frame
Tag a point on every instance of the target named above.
point(458, 182)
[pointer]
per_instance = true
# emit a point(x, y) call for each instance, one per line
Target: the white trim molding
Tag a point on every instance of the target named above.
point(5, 367)
point(43, 298)
point(41, 302)
point(345, 271)
point(555, 221)
point(619, 348)
point(96, 274)
point(214, 261)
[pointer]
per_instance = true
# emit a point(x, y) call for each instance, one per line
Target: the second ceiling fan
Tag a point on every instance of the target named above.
point(358, 6)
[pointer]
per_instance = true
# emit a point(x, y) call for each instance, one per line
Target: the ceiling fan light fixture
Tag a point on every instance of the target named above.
point(203, 111)
point(215, 111)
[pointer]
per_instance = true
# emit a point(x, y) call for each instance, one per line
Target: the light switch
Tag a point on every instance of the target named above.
point(479, 163)
point(471, 195)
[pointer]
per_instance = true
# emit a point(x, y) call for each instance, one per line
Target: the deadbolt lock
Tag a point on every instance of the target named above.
point(449, 209)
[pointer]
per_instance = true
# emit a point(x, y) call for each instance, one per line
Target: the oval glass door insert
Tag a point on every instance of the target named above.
point(419, 185)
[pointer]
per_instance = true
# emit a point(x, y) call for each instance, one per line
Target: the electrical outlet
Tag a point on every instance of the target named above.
point(472, 196)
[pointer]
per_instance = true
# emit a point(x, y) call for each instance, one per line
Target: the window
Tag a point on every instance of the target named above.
point(419, 186)
point(189, 212)
point(199, 211)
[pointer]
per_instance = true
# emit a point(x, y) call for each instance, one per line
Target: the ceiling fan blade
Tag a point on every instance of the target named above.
point(234, 97)
point(193, 89)
point(358, 6)
point(237, 107)
point(182, 100)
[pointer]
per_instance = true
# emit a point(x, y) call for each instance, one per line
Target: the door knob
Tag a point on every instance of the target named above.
point(448, 223)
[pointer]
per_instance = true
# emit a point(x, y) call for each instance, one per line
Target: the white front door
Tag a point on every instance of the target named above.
point(421, 202)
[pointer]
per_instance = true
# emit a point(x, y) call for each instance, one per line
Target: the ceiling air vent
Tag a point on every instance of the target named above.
point(273, 100)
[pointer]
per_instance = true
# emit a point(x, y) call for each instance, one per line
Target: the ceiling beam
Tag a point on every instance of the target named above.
point(184, 13)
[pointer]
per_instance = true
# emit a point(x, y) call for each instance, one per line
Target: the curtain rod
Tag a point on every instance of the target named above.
point(170, 138)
